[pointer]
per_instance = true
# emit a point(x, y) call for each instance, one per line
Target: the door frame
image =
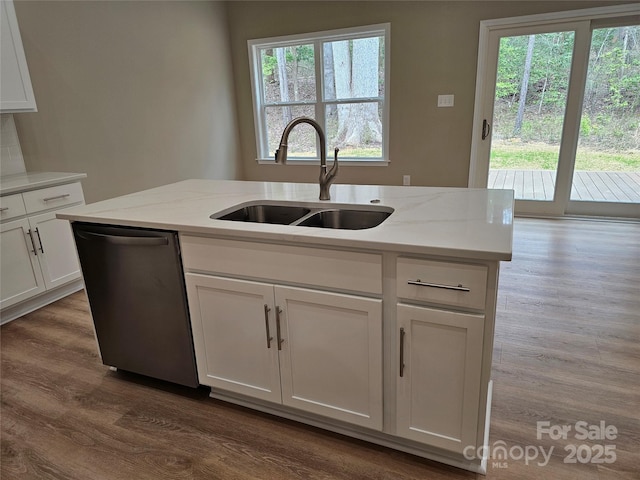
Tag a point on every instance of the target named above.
point(490, 32)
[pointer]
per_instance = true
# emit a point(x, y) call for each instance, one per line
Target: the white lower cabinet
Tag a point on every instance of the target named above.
point(56, 249)
point(439, 376)
point(267, 338)
point(39, 260)
point(229, 321)
point(21, 276)
point(38, 254)
point(331, 357)
point(316, 351)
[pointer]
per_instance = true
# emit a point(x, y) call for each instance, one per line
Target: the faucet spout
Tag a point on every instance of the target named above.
point(326, 178)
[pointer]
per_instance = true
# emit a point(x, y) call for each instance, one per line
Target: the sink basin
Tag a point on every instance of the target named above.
point(346, 219)
point(279, 214)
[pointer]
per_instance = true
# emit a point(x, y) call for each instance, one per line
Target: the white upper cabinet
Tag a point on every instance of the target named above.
point(16, 92)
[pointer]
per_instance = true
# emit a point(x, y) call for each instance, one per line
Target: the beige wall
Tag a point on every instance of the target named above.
point(433, 51)
point(135, 94)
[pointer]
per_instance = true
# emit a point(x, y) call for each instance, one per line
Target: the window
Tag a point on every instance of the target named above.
point(340, 78)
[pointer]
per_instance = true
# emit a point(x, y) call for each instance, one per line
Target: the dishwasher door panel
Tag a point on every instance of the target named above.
point(135, 285)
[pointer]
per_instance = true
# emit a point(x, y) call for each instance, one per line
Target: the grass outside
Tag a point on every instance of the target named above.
point(542, 156)
point(347, 152)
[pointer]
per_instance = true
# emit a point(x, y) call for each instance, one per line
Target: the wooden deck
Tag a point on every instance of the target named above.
point(621, 187)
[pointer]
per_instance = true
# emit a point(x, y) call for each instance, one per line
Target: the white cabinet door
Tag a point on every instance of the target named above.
point(439, 386)
point(234, 334)
point(16, 92)
point(323, 351)
point(55, 248)
point(331, 357)
point(21, 277)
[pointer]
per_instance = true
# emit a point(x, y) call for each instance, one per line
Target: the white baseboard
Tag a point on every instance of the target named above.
point(39, 301)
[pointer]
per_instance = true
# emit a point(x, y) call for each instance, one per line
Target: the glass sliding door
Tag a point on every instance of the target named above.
point(531, 106)
point(557, 112)
point(606, 177)
point(530, 101)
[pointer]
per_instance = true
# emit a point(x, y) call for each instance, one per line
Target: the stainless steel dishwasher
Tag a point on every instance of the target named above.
point(135, 285)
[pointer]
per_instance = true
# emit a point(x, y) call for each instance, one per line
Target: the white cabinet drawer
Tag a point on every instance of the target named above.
point(11, 206)
point(53, 197)
point(334, 269)
point(456, 284)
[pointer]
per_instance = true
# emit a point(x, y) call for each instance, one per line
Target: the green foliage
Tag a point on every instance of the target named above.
point(614, 69)
point(585, 126)
point(302, 54)
point(613, 83)
point(611, 109)
point(269, 64)
point(549, 69)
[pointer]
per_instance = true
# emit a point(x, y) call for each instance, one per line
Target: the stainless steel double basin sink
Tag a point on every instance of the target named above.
point(346, 217)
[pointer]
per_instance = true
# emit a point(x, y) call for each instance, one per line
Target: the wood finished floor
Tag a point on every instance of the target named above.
point(567, 349)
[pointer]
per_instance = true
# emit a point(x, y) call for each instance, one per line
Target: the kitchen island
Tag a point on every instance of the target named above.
point(384, 334)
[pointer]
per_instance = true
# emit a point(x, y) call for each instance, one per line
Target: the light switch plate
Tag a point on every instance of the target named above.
point(445, 100)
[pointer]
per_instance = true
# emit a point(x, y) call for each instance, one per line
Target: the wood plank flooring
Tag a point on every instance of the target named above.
point(567, 349)
point(621, 187)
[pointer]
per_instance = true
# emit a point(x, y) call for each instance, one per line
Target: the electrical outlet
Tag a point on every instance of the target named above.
point(406, 180)
point(445, 100)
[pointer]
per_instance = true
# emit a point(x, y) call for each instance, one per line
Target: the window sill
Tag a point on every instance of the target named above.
point(315, 162)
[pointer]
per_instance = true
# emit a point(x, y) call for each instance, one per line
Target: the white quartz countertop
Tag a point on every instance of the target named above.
point(451, 222)
point(22, 182)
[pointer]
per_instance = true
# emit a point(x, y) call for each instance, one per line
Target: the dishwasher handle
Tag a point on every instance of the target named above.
point(124, 240)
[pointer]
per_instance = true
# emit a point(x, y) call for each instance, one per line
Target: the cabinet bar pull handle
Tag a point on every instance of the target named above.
point(39, 240)
point(278, 333)
point(33, 243)
point(266, 323)
point(402, 352)
point(458, 287)
point(57, 197)
point(4, 209)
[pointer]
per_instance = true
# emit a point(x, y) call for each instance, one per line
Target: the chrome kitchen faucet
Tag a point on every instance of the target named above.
point(325, 177)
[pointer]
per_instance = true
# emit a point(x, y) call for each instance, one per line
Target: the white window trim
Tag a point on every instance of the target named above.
point(382, 29)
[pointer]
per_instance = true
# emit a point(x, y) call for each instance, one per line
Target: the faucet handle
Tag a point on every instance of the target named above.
point(334, 167)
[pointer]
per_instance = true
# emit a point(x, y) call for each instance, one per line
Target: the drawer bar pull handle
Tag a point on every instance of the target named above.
point(402, 352)
point(57, 197)
point(278, 332)
point(266, 323)
point(420, 283)
point(4, 209)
